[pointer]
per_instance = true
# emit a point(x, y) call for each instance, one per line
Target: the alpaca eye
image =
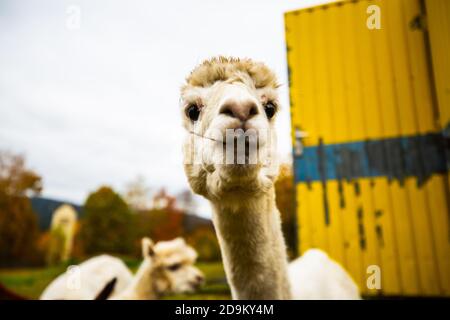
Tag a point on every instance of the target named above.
point(270, 110)
point(193, 112)
point(174, 267)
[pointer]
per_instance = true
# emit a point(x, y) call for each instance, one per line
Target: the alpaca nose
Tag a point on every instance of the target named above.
point(239, 110)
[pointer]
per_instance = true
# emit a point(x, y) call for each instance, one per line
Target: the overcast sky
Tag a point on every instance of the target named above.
point(97, 102)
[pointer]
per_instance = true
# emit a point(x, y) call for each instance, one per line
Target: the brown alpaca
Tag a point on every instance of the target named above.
point(232, 94)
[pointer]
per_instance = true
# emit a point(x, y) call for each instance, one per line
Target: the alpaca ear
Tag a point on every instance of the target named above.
point(107, 290)
point(147, 248)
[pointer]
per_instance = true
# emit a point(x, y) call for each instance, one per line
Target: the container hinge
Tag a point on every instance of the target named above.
point(299, 136)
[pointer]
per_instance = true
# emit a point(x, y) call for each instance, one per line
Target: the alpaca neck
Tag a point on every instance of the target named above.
point(253, 247)
point(141, 287)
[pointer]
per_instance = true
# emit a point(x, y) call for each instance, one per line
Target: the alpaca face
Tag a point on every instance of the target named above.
point(229, 107)
point(178, 278)
point(174, 270)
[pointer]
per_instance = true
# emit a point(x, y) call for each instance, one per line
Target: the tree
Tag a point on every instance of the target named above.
point(15, 179)
point(18, 223)
point(285, 198)
point(55, 246)
point(164, 221)
point(62, 234)
point(137, 194)
point(204, 240)
point(108, 223)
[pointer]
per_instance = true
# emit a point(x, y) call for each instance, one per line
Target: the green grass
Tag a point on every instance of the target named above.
point(31, 282)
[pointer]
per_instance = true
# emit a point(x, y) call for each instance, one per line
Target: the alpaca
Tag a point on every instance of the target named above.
point(84, 281)
point(141, 286)
point(220, 96)
point(223, 100)
point(315, 276)
point(166, 267)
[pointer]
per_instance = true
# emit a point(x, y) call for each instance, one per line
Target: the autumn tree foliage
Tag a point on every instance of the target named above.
point(107, 225)
point(164, 221)
point(18, 223)
point(160, 224)
point(55, 246)
point(204, 240)
point(285, 198)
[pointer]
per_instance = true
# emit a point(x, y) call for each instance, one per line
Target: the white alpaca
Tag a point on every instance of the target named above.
point(315, 276)
point(236, 172)
point(166, 267)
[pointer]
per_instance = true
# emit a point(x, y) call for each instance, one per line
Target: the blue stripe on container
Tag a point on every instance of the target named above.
point(417, 156)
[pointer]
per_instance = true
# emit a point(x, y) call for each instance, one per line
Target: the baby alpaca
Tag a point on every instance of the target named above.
point(167, 268)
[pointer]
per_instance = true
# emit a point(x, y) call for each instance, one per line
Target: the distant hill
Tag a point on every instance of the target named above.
point(191, 222)
point(45, 207)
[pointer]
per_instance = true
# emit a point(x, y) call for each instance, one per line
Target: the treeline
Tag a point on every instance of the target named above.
point(111, 223)
point(19, 232)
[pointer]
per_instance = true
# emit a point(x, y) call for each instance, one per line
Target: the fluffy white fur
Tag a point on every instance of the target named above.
point(156, 275)
point(242, 196)
point(315, 276)
point(84, 282)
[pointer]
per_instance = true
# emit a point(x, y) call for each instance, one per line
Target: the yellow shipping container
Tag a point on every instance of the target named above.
point(370, 104)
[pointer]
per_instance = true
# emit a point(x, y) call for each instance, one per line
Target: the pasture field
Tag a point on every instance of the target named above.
point(30, 282)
